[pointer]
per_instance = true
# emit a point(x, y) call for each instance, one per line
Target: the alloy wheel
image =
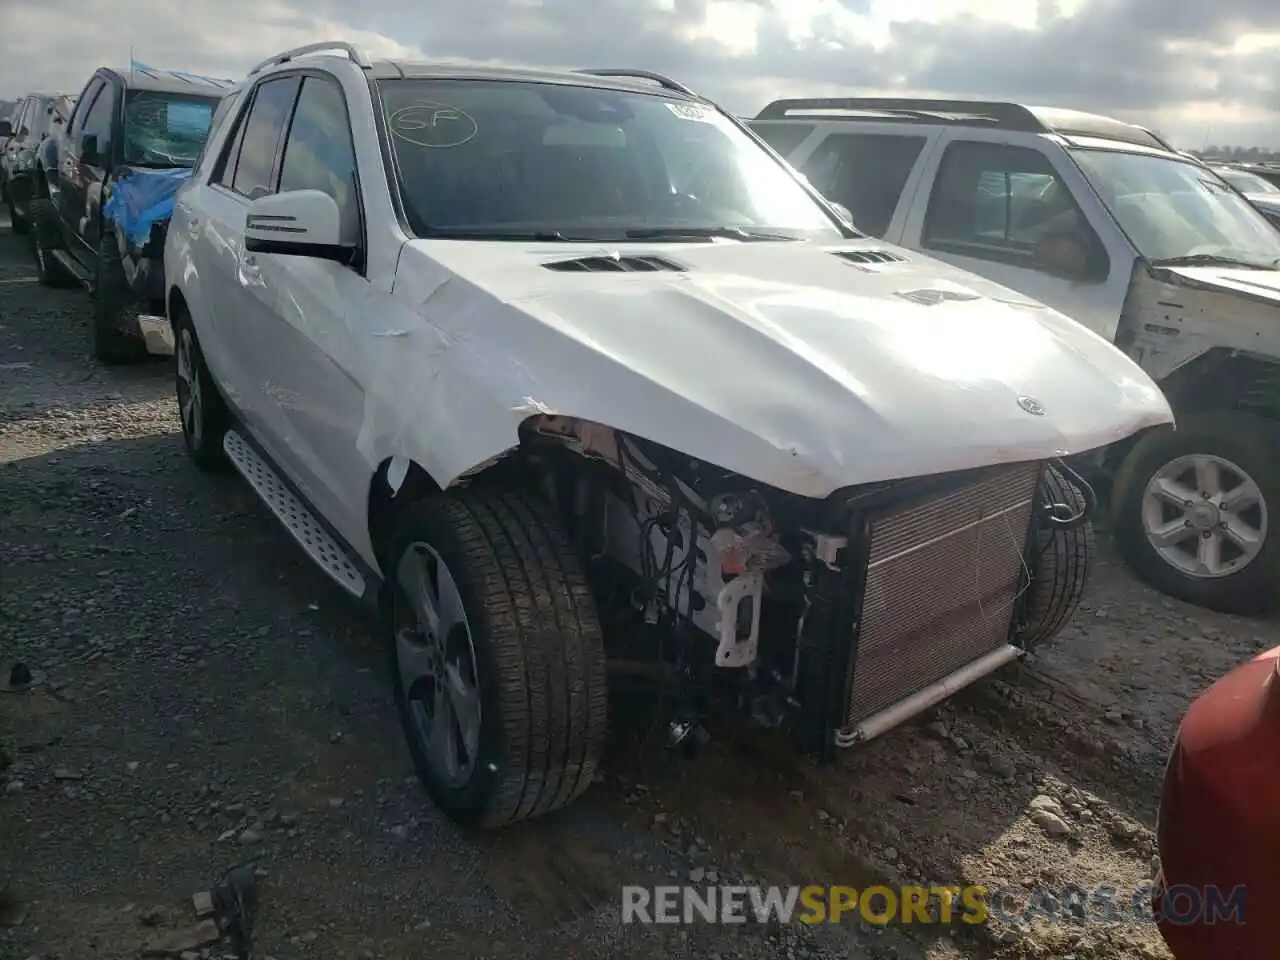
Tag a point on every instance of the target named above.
point(436, 664)
point(190, 400)
point(1204, 516)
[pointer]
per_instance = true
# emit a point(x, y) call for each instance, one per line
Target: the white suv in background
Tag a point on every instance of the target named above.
point(1146, 246)
point(513, 353)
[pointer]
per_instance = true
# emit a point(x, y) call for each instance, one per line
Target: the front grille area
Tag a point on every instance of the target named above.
point(941, 582)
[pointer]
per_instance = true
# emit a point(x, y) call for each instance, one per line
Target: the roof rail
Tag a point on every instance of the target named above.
point(1011, 116)
point(659, 79)
point(355, 53)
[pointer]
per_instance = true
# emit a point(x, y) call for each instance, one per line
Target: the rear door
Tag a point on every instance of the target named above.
point(870, 173)
point(84, 175)
point(230, 280)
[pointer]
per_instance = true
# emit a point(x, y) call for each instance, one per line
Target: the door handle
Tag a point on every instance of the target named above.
point(249, 273)
point(193, 228)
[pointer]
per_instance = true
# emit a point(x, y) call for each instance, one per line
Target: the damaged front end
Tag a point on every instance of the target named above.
point(837, 618)
point(137, 210)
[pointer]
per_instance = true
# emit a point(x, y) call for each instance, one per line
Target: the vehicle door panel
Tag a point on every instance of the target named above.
point(70, 198)
point(239, 299)
point(1006, 257)
point(82, 204)
point(871, 169)
point(311, 309)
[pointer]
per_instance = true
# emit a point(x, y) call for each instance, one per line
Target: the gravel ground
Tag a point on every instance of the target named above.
point(208, 699)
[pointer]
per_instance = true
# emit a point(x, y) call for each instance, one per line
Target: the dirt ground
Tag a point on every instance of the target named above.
point(206, 698)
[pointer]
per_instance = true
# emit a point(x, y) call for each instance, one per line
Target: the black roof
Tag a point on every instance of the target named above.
point(169, 81)
point(972, 113)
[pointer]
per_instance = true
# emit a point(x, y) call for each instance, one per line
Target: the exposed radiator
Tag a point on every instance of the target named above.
point(941, 584)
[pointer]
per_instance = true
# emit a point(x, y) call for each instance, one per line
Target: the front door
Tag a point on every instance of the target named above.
point(84, 174)
point(1000, 210)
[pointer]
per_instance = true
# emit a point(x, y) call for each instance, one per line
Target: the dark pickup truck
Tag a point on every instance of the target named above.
point(109, 177)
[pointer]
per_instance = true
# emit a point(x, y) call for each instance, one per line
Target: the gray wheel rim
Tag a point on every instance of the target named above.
point(436, 664)
point(1204, 516)
point(190, 400)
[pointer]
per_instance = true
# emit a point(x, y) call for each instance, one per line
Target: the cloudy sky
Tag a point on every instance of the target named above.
point(1198, 71)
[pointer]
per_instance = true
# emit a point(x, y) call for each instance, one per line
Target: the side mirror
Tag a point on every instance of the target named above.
point(297, 223)
point(843, 211)
point(6, 128)
point(89, 149)
point(1063, 255)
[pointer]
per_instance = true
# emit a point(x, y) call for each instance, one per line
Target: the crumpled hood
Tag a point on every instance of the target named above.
point(780, 361)
point(1258, 284)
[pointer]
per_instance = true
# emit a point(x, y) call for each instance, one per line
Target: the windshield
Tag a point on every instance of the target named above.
point(165, 129)
point(1174, 210)
point(1246, 182)
point(519, 160)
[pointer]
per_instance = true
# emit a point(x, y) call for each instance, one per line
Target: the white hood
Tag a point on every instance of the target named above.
point(779, 361)
point(1259, 284)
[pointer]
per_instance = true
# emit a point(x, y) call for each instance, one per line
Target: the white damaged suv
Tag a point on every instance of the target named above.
point(515, 355)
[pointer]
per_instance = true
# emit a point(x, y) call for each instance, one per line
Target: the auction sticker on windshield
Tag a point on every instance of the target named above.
point(691, 111)
point(430, 124)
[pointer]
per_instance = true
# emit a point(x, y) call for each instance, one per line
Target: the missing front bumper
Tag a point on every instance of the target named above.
point(926, 596)
point(932, 695)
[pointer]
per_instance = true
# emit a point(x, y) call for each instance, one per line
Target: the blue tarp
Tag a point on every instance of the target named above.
point(141, 198)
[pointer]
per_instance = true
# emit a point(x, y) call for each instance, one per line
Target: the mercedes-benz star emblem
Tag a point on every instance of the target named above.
point(1032, 406)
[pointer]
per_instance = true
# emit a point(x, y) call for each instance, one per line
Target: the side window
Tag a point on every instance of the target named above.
point(866, 172)
point(220, 115)
point(87, 97)
point(783, 137)
point(260, 138)
point(319, 154)
point(1008, 204)
point(22, 122)
point(98, 121)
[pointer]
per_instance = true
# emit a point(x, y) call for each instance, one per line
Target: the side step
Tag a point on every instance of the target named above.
point(73, 268)
point(296, 517)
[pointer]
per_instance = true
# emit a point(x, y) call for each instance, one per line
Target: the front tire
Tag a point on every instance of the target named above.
point(204, 415)
point(17, 222)
point(112, 300)
point(46, 237)
point(1196, 511)
point(1062, 561)
point(497, 654)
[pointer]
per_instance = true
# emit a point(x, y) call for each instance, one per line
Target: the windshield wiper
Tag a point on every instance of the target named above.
point(1210, 260)
point(701, 233)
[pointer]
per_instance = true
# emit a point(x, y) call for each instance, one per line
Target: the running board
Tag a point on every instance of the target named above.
point(73, 268)
point(297, 518)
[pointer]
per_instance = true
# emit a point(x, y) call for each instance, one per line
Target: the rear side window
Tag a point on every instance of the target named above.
point(865, 172)
point(783, 137)
point(1000, 203)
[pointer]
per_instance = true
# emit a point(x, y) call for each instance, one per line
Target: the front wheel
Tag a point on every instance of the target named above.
point(17, 221)
point(1196, 511)
point(46, 237)
point(497, 654)
point(115, 336)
